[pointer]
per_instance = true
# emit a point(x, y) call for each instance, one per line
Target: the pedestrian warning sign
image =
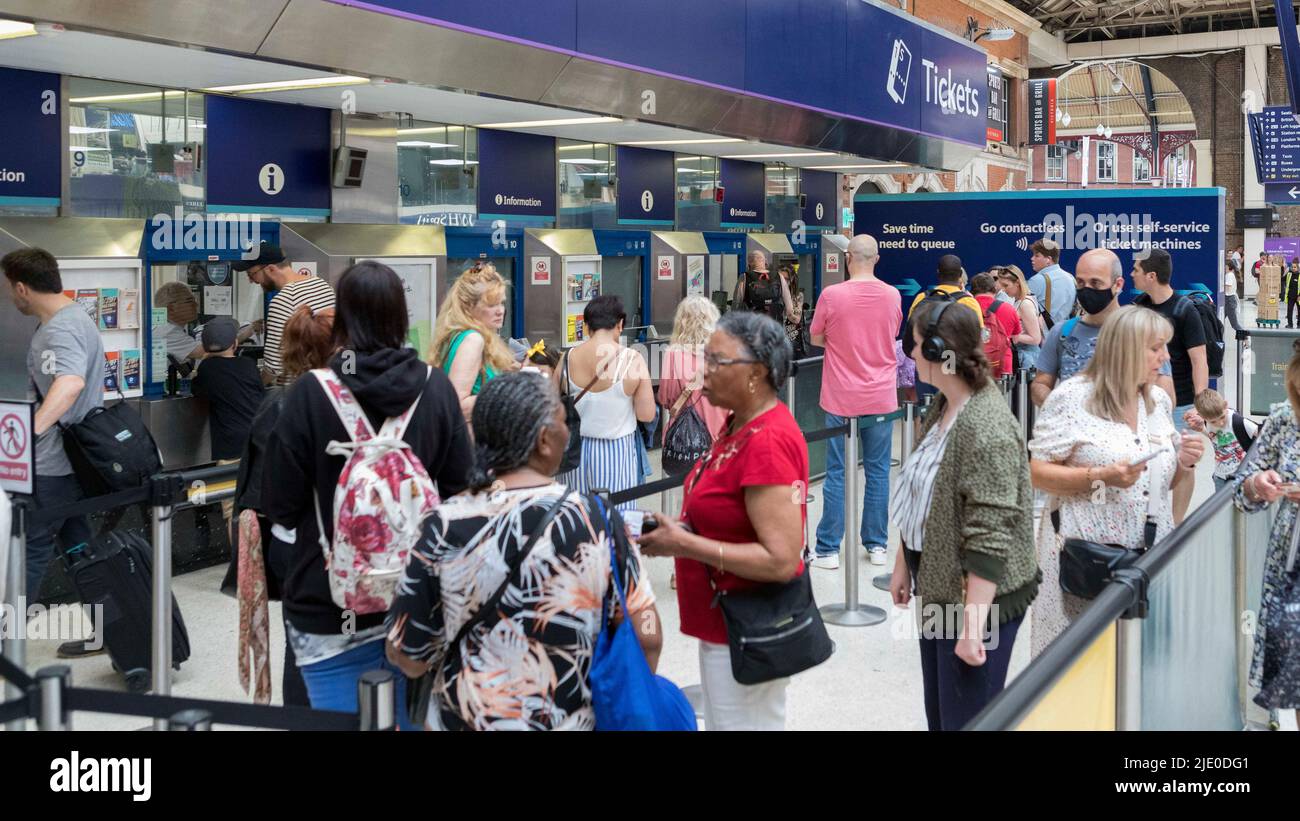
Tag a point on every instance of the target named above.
point(17, 460)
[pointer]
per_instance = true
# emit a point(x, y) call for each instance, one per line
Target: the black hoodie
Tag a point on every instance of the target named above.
point(385, 383)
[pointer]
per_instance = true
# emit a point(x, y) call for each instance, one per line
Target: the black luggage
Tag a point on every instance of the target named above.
point(116, 570)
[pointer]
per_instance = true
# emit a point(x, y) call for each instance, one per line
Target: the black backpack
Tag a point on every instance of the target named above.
point(1205, 308)
point(905, 336)
point(763, 295)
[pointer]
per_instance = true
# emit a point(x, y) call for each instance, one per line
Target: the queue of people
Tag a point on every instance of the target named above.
point(487, 573)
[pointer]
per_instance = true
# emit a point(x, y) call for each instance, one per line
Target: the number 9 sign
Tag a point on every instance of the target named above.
point(79, 159)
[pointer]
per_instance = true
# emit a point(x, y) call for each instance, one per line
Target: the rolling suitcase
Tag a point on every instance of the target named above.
point(115, 570)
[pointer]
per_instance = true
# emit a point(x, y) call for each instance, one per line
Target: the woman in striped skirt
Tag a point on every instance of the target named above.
point(612, 387)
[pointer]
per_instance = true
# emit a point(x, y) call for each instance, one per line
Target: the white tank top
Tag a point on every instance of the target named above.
point(608, 414)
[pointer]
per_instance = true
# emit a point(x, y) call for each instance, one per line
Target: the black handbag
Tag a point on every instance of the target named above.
point(687, 440)
point(774, 630)
point(572, 451)
point(419, 691)
point(110, 449)
point(1087, 567)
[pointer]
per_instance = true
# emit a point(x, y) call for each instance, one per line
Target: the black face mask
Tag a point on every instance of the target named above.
point(1095, 300)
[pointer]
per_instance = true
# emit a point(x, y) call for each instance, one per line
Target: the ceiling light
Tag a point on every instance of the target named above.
point(81, 129)
point(453, 162)
point(1108, 132)
point(1065, 119)
point(412, 132)
point(779, 155)
point(702, 141)
point(1058, 115)
point(88, 148)
point(12, 29)
point(547, 123)
point(128, 98)
point(859, 165)
point(1101, 130)
point(580, 146)
point(290, 85)
point(583, 161)
point(423, 144)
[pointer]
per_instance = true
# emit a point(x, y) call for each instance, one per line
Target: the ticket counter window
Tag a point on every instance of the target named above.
point(216, 289)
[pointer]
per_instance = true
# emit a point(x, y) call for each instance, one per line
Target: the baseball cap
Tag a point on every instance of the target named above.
point(219, 334)
point(267, 254)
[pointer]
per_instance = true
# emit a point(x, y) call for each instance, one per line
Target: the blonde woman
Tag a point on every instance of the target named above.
point(467, 341)
point(1011, 280)
point(1091, 431)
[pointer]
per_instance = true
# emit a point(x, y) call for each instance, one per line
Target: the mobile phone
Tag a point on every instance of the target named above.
point(1147, 458)
point(639, 522)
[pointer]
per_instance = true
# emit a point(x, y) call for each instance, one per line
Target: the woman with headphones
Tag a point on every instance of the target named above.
point(961, 505)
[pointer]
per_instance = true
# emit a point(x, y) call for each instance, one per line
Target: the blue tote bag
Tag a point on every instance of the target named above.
point(624, 693)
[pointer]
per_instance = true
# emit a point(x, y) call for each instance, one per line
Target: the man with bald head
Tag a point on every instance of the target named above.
point(763, 293)
point(1068, 347)
point(856, 322)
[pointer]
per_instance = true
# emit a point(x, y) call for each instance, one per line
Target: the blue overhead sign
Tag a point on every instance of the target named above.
point(30, 165)
point(647, 186)
point(744, 202)
point(267, 158)
point(860, 59)
point(821, 205)
point(1282, 193)
point(1275, 138)
point(998, 228)
point(516, 176)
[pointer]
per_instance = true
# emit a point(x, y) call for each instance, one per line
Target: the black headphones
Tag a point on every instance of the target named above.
point(933, 346)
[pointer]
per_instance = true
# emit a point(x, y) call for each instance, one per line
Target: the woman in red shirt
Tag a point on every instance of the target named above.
point(742, 519)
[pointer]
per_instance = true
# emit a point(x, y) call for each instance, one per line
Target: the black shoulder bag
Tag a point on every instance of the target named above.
point(419, 691)
point(774, 630)
point(573, 451)
point(110, 448)
point(1087, 567)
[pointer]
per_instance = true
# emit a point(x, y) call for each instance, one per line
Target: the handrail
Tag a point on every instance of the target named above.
point(1118, 597)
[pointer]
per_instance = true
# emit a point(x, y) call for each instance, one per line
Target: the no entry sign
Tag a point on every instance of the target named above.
point(17, 461)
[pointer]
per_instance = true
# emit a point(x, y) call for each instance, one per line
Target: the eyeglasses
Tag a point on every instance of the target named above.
point(712, 363)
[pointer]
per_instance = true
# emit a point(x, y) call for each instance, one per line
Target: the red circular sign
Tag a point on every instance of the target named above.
point(13, 436)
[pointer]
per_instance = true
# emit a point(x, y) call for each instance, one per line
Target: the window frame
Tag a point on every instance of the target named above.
point(1048, 161)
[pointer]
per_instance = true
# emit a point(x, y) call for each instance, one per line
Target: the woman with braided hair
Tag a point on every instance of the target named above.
point(503, 595)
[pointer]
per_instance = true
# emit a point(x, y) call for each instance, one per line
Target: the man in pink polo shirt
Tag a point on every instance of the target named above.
point(856, 322)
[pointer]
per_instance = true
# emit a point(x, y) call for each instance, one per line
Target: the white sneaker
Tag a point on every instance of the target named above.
point(877, 555)
point(828, 562)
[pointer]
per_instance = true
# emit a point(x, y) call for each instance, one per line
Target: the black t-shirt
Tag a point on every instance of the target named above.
point(233, 388)
point(1188, 333)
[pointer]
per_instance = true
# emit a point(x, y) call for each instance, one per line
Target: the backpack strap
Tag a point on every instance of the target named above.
point(1068, 327)
point(1240, 431)
point(349, 411)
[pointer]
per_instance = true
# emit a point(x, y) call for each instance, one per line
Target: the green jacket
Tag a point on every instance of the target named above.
point(982, 511)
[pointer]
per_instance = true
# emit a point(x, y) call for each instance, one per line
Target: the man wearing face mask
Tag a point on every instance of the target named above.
point(1068, 347)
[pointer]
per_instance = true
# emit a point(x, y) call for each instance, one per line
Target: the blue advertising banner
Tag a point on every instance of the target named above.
point(822, 204)
point(997, 228)
point(857, 58)
point(516, 176)
point(268, 158)
point(744, 203)
point(30, 165)
point(647, 186)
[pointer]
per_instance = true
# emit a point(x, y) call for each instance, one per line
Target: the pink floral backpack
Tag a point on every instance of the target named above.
point(382, 497)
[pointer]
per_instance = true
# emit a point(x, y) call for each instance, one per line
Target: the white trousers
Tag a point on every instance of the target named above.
point(730, 705)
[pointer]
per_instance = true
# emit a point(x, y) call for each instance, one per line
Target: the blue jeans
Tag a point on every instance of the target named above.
point(53, 491)
point(877, 444)
point(332, 683)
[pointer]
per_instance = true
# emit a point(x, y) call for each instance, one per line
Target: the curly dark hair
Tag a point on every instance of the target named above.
point(509, 414)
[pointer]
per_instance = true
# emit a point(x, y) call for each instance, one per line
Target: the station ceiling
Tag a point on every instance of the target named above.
point(1088, 20)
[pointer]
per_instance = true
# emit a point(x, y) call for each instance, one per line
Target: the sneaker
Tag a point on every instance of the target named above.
point(78, 649)
point(831, 561)
point(877, 555)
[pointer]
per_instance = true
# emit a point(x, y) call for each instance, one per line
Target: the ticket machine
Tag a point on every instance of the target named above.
point(563, 275)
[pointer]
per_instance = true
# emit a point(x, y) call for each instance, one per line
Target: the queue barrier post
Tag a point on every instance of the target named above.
point(851, 613)
point(1243, 346)
point(163, 490)
point(377, 700)
point(15, 648)
point(190, 721)
point(1022, 401)
point(51, 688)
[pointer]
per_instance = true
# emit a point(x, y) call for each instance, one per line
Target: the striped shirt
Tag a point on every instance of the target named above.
point(910, 499)
point(312, 291)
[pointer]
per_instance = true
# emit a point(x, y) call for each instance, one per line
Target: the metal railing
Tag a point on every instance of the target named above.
point(49, 696)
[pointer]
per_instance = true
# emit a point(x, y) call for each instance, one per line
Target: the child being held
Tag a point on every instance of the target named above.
point(1231, 433)
point(543, 358)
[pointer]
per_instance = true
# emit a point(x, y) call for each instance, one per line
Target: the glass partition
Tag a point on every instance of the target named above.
point(809, 414)
point(697, 178)
point(135, 151)
point(436, 183)
point(586, 176)
point(783, 199)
